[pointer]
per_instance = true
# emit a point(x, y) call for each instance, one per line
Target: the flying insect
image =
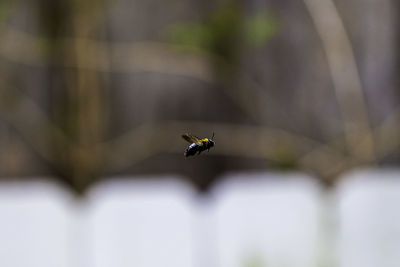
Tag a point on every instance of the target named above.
point(197, 145)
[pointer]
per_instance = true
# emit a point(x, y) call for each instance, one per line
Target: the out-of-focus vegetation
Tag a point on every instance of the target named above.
point(225, 31)
point(5, 9)
point(96, 88)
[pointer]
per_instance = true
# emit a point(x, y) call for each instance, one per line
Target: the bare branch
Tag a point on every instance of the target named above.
point(345, 76)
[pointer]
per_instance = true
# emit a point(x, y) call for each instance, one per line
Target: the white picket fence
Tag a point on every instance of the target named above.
point(247, 220)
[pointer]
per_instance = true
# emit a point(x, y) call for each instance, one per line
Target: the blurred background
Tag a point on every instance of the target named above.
point(96, 89)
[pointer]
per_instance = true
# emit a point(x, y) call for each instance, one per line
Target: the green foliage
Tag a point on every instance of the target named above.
point(260, 28)
point(225, 31)
point(218, 34)
point(191, 35)
point(225, 25)
point(6, 6)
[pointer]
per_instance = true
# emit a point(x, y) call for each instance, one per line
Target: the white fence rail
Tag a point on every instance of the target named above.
point(247, 220)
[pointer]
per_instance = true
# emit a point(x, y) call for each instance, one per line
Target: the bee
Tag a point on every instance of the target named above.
point(197, 145)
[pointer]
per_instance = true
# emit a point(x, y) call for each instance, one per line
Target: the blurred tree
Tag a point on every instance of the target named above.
point(78, 103)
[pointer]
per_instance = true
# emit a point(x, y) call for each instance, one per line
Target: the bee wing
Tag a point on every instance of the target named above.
point(191, 138)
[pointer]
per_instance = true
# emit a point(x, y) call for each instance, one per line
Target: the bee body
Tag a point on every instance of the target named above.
point(192, 150)
point(197, 145)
